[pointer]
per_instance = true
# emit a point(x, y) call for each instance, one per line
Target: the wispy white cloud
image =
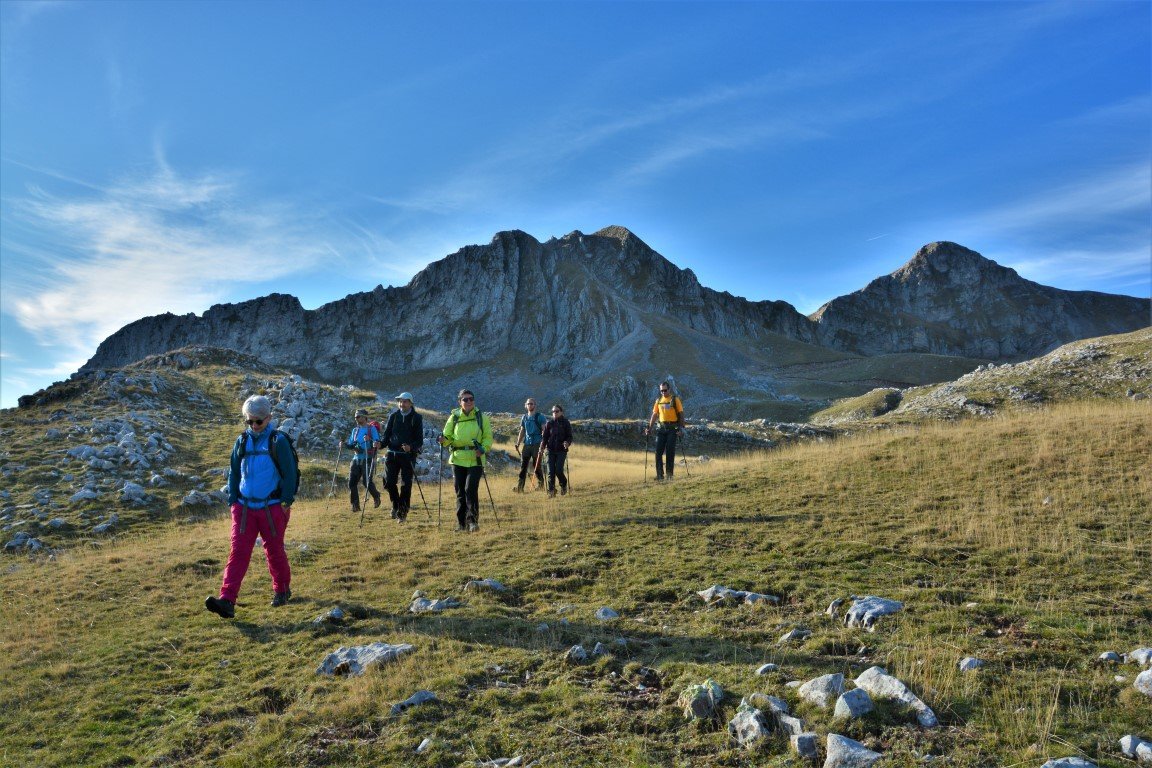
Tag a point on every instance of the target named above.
point(156, 243)
point(1121, 190)
point(1054, 237)
point(1131, 266)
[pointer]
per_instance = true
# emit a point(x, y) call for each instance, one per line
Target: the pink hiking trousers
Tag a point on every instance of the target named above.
point(240, 555)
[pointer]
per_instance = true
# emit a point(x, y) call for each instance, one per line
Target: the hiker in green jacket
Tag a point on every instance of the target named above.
point(468, 433)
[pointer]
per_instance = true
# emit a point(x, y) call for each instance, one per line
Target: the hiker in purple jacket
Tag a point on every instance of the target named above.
point(556, 438)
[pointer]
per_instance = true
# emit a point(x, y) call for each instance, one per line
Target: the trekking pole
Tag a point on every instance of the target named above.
point(684, 458)
point(364, 503)
point(484, 475)
point(416, 477)
point(439, 485)
point(567, 472)
point(647, 442)
point(335, 469)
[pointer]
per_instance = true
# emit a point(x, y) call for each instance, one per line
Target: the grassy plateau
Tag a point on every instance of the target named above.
point(1022, 540)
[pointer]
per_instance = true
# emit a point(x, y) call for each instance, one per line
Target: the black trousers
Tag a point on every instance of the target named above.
point(356, 481)
point(556, 470)
point(399, 465)
point(468, 481)
point(665, 451)
point(528, 459)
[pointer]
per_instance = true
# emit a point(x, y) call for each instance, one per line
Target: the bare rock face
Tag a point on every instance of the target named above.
point(599, 319)
point(585, 309)
point(950, 300)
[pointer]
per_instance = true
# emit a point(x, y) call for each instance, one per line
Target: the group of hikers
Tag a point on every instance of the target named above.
point(264, 472)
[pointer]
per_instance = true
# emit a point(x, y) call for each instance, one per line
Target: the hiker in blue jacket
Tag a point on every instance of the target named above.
point(261, 489)
point(402, 440)
point(363, 441)
point(531, 428)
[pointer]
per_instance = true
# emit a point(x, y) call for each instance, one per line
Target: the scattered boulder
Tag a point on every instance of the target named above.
point(864, 611)
point(1069, 762)
point(425, 605)
point(1109, 657)
point(353, 661)
point(748, 727)
point(823, 690)
point(484, 585)
point(718, 595)
point(606, 614)
point(797, 635)
point(334, 616)
point(416, 699)
point(1144, 682)
point(764, 669)
point(107, 525)
point(576, 655)
point(880, 685)
point(204, 499)
point(846, 753)
point(969, 663)
point(1136, 747)
point(699, 701)
point(1141, 656)
point(133, 493)
point(853, 704)
point(806, 746)
point(84, 494)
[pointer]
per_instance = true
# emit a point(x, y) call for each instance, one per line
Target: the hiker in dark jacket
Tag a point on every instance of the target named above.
point(261, 489)
point(402, 439)
point(556, 438)
point(531, 428)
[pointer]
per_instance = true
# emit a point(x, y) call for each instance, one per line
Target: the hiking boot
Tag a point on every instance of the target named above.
point(563, 490)
point(460, 528)
point(355, 508)
point(281, 598)
point(518, 489)
point(473, 527)
point(395, 513)
point(221, 607)
point(376, 501)
point(551, 493)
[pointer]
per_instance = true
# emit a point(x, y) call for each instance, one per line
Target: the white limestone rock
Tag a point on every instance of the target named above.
point(806, 746)
point(1144, 682)
point(853, 704)
point(416, 699)
point(748, 727)
point(865, 611)
point(354, 660)
point(822, 691)
point(700, 701)
point(843, 752)
point(880, 685)
point(1136, 747)
point(426, 605)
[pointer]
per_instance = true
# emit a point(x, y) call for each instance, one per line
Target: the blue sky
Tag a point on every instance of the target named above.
point(167, 156)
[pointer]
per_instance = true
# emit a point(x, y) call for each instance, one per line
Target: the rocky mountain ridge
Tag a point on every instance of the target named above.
point(596, 320)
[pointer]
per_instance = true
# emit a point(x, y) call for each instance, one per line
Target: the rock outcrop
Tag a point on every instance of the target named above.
point(949, 300)
point(599, 319)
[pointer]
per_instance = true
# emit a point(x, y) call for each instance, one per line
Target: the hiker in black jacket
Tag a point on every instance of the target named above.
point(402, 439)
point(556, 438)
